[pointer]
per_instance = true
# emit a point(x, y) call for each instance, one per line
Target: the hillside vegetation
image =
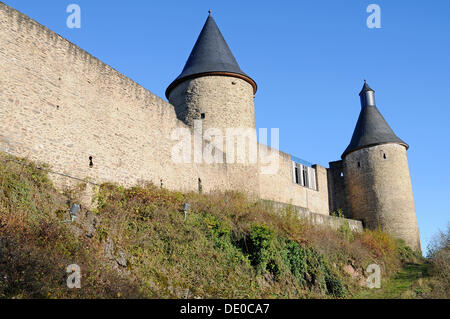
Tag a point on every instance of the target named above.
point(137, 243)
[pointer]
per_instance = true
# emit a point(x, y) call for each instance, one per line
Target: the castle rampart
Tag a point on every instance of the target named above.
point(61, 106)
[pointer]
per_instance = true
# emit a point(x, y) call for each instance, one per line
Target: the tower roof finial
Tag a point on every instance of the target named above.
point(365, 88)
point(209, 11)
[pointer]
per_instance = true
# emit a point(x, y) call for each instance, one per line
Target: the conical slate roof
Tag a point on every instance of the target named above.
point(371, 129)
point(211, 56)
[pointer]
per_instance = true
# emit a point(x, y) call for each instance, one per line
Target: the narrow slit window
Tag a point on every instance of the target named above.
point(200, 187)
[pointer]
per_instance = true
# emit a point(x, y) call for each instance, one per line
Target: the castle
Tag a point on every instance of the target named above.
point(61, 106)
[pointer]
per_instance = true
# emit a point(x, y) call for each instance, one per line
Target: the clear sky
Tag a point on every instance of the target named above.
point(309, 59)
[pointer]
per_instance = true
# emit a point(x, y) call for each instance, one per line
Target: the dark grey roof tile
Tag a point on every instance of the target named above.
point(210, 55)
point(371, 128)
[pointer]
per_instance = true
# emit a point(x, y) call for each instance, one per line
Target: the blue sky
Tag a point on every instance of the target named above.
point(309, 59)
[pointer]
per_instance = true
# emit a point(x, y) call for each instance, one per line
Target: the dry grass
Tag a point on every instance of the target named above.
point(228, 247)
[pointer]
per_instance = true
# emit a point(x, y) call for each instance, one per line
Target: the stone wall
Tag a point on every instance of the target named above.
point(222, 103)
point(318, 219)
point(280, 186)
point(226, 102)
point(336, 189)
point(380, 192)
point(61, 106)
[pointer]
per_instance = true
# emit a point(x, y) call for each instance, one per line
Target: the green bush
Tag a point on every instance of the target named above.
point(346, 232)
point(260, 247)
point(310, 269)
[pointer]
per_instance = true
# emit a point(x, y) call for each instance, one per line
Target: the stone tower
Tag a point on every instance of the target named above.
point(212, 86)
point(213, 89)
point(376, 175)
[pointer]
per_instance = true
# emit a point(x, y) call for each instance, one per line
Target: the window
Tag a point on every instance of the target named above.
point(304, 175)
point(200, 187)
point(298, 174)
point(203, 116)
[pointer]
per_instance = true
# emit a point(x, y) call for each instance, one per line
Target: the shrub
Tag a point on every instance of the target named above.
point(439, 256)
point(379, 242)
point(346, 232)
point(260, 247)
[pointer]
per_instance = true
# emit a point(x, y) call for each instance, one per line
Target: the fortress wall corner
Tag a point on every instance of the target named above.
point(336, 189)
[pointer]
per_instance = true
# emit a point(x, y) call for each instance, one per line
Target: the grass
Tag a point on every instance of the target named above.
point(227, 247)
point(405, 284)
